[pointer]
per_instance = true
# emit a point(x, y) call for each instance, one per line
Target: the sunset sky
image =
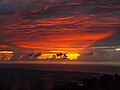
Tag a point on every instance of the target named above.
point(71, 26)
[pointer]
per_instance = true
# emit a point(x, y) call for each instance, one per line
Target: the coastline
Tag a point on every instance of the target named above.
point(71, 66)
point(63, 62)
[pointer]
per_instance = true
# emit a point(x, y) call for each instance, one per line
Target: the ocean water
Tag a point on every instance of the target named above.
point(98, 67)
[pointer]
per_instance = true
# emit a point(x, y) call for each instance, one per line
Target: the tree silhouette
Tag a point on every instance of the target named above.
point(30, 54)
point(37, 54)
point(116, 79)
point(65, 56)
point(59, 55)
point(106, 80)
point(62, 55)
point(86, 82)
point(54, 57)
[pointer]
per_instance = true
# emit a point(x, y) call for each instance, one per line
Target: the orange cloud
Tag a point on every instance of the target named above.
point(65, 42)
point(57, 25)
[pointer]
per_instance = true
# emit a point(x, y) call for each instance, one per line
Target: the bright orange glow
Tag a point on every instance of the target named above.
point(57, 51)
point(68, 43)
point(53, 26)
point(64, 63)
point(73, 55)
point(45, 56)
point(6, 55)
point(6, 52)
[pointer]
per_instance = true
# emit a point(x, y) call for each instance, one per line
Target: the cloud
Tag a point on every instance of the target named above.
point(59, 24)
point(103, 53)
point(110, 41)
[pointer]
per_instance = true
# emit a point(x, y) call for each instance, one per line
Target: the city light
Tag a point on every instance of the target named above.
point(117, 49)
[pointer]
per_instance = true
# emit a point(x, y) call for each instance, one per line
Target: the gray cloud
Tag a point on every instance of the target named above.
point(114, 40)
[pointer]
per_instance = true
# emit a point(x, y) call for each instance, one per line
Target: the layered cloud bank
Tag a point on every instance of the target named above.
point(62, 25)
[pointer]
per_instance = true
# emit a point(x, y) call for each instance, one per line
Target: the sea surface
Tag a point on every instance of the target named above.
point(98, 67)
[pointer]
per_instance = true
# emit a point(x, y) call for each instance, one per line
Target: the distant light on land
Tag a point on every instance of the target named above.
point(117, 49)
point(6, 52)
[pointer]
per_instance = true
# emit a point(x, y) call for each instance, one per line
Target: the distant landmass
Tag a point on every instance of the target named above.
point(29, 79)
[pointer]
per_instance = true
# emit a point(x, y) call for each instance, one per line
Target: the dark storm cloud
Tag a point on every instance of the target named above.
point(70, 7)
point(5, 10)
point(9, 7)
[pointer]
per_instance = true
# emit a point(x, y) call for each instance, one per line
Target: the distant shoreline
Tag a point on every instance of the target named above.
point(100, 67)
point(63, 62)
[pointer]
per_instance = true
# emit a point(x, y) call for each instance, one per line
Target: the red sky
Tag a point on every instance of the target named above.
point(65, 25)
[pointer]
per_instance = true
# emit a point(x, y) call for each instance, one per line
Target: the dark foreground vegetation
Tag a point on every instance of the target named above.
point(25, 79)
